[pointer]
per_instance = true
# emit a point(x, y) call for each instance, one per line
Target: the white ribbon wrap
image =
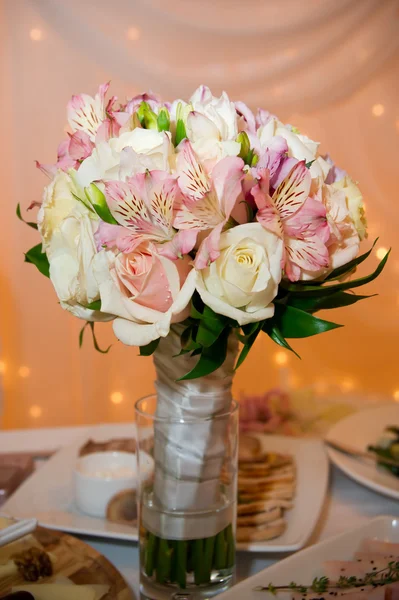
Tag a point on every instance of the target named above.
point(189, 456)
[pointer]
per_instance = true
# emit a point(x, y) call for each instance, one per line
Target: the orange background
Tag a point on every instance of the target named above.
point(343, 96)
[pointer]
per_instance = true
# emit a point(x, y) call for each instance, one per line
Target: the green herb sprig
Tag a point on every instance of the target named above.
point(319, 585)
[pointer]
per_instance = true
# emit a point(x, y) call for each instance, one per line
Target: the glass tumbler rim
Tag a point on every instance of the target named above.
point(226, 413)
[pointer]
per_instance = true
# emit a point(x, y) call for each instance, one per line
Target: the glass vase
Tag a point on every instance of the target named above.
point(187, 506)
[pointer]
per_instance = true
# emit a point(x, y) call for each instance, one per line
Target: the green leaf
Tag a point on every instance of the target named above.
point(197, 307)
point(149, 348)
point(96, 346)
point(18, 212)
point(275, 334)
point(334, 300)
point(163, 120)
point(187, 340)
point(309, 164)
point(295, 323)
point(37, 257)
point(350, 266)
point(99, 203)
point(210, 327)
point(180, 132)
point(211, 358)
point(328, 289)
point(81, 334)
point(96, 305)
point(251, 337)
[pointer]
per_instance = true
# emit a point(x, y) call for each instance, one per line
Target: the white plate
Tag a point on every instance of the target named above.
point(48, 493)
point(307, 564)
point(358, 431)
point(311, 487)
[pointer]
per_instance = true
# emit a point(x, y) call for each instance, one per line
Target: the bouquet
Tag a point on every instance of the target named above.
point(192, 225)
point(200, 213)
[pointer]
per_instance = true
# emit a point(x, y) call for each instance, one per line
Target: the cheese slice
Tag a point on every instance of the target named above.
point(63, 591)
point(8, 569)
point(50, 591)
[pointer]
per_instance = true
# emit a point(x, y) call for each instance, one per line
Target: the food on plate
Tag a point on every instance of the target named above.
point(33, 564)
point(18, 596)
point(122, 508)
point(372, 574)
point(64, 591)
point(388, 447)
point(297, 412)
point(266, 488)
point(116, 445)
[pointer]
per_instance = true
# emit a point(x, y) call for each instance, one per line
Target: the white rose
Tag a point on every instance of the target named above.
point(67, 227)
point(213, 126)
point(299, 146)
point(131, 153)
point(145, 291)
point(354, 201)
point(243, 281)
point(58, 203)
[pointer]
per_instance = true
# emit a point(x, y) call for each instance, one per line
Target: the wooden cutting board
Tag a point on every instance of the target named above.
point(77, 561)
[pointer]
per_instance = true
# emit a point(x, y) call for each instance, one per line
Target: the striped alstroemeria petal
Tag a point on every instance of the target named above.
point(293, 191)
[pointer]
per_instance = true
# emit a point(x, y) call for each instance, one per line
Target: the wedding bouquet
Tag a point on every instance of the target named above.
point(199, 213)
point(193, 225)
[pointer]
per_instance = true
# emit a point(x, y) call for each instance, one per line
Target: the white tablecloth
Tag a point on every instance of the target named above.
point(347, 505)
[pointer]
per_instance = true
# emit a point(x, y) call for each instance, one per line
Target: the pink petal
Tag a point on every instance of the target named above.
point(181, 244)
point(49, 170)
point(34, 204)
point(267, 214)
point(209, 250)
point(106, 235)
point(226, 178)
point(104, 132)
point(193, 181)
point(283, 170)
point(247, 116)
point(263, 117)
point(153, 100)
point(293, 191)
point(80, 145)
point(310, 219)
point(308, 254)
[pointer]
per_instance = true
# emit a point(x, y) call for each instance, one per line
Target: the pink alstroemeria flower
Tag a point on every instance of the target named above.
point(86, 113)
point(299, 220)
point(69, 154)
point(64, 161)
point(144, 206)
point(208, 200)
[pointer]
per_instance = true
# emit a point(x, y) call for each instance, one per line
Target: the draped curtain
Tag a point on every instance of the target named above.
point(328, 66)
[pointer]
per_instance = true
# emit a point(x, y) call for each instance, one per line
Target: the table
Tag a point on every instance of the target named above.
point(347, 505)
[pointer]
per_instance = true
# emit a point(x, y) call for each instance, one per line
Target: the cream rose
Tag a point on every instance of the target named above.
point(58, 203)
point(67, 229)
point(145, 291)
point(354, 201)
point(243, 281)
point(131, 153)
point(299, 146)
point(212, 127)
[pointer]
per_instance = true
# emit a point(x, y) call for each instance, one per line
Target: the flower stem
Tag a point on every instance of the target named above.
point(181, 563)
point(150, 552)
point(220, 551)
point(198, 552)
